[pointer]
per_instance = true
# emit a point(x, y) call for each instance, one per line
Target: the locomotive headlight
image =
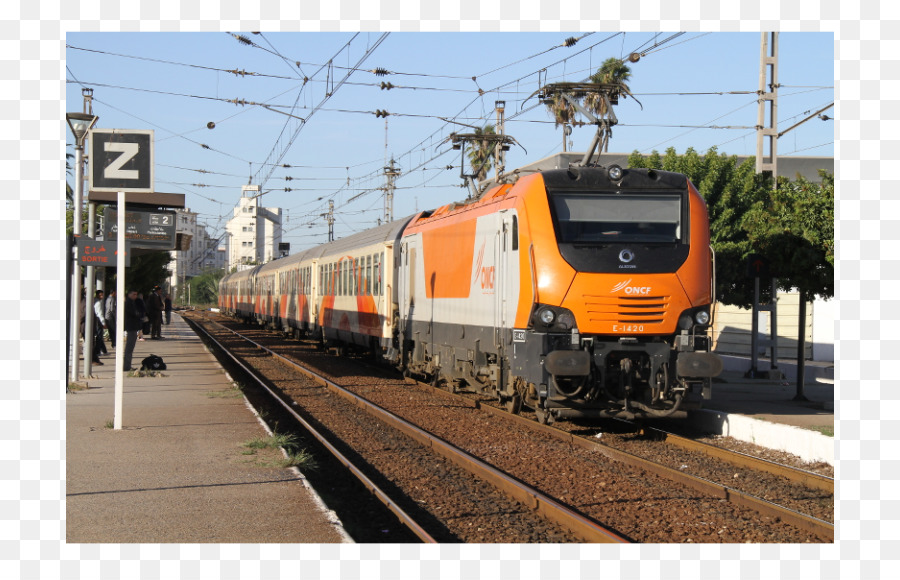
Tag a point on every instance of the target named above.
point(702, 317)
point(547, 316)
point(615, 172)
point(566, 321)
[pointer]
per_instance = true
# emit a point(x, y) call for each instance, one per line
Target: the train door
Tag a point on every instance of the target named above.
point(407, 282)
point(497, 279)
point(506, 274)
point(384, 287)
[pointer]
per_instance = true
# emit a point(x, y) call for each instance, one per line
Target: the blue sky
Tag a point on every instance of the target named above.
point(177, 83)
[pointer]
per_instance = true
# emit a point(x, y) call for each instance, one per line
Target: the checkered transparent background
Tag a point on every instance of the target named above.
point(32, 425)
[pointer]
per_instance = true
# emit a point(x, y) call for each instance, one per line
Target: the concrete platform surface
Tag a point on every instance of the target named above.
point(766, 412)
point(178, 472)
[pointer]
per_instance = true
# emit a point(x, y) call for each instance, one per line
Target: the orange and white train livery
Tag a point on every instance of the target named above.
point(580, 291)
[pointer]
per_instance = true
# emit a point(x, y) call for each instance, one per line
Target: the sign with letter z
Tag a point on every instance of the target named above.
point(121, 160)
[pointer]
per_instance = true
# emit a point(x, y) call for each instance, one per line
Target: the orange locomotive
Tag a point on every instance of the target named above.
point(584, 291)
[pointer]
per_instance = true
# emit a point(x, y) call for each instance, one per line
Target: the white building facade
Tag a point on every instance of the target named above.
point(197, 254)
point(254, 232)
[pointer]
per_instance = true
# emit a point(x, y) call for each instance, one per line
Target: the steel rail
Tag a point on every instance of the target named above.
point(820, 528)
point(807, 478)
point(582, 526)
point(382, 496)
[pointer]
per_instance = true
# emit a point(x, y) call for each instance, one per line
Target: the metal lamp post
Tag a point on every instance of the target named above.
point(80, 123)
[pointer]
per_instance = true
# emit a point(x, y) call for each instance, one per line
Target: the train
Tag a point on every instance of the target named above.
point(577, 292)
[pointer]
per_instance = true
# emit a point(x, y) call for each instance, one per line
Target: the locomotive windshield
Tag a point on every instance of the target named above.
point(591, 218)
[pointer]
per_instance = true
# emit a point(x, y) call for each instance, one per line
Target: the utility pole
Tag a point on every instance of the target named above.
point(329, 218)
point(767, 129)
point(391, 174)
point(80, 124)
point(499, 162)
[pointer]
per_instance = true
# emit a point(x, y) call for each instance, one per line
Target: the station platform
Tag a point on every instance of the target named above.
point(765, 411)
point(178, 471)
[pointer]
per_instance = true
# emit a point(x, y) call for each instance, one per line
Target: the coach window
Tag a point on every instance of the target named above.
point(375, 276)
point(345, 275)
point(361, 276)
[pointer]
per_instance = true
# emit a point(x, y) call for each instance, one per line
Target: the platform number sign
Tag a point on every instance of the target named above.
point(121, 160)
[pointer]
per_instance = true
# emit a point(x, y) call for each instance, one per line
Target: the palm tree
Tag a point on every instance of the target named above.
point(481, 154)
point(612, 72)
point(562, 110)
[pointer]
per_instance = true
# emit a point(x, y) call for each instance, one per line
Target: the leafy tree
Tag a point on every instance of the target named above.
point(739, 202)
point(205, 287)
point(794, 229)
point(146, 271)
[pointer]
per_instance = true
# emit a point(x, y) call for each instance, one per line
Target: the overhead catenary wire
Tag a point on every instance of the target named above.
point(416, 158)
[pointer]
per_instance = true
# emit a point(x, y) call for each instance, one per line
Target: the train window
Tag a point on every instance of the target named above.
point(515, 233)
point(368, 288)
point(606, 218)
point(345, 278)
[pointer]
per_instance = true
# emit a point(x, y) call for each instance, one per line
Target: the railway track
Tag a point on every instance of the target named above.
point(572, 526)
point(638, 499)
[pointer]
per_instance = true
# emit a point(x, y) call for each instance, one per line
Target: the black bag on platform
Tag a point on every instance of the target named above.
point(153, 363)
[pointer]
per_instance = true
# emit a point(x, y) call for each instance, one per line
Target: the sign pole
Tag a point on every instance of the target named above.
point(89, 285)
point(120, 314)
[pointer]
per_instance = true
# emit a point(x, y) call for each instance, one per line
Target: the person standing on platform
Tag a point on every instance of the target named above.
point(168, 303)
point(142, 315)
point(133, 325)
point(99, 327)
point(110, 315)
point(154, 311)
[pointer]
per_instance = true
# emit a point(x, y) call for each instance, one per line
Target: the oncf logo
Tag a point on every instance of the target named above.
point(631, 290)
